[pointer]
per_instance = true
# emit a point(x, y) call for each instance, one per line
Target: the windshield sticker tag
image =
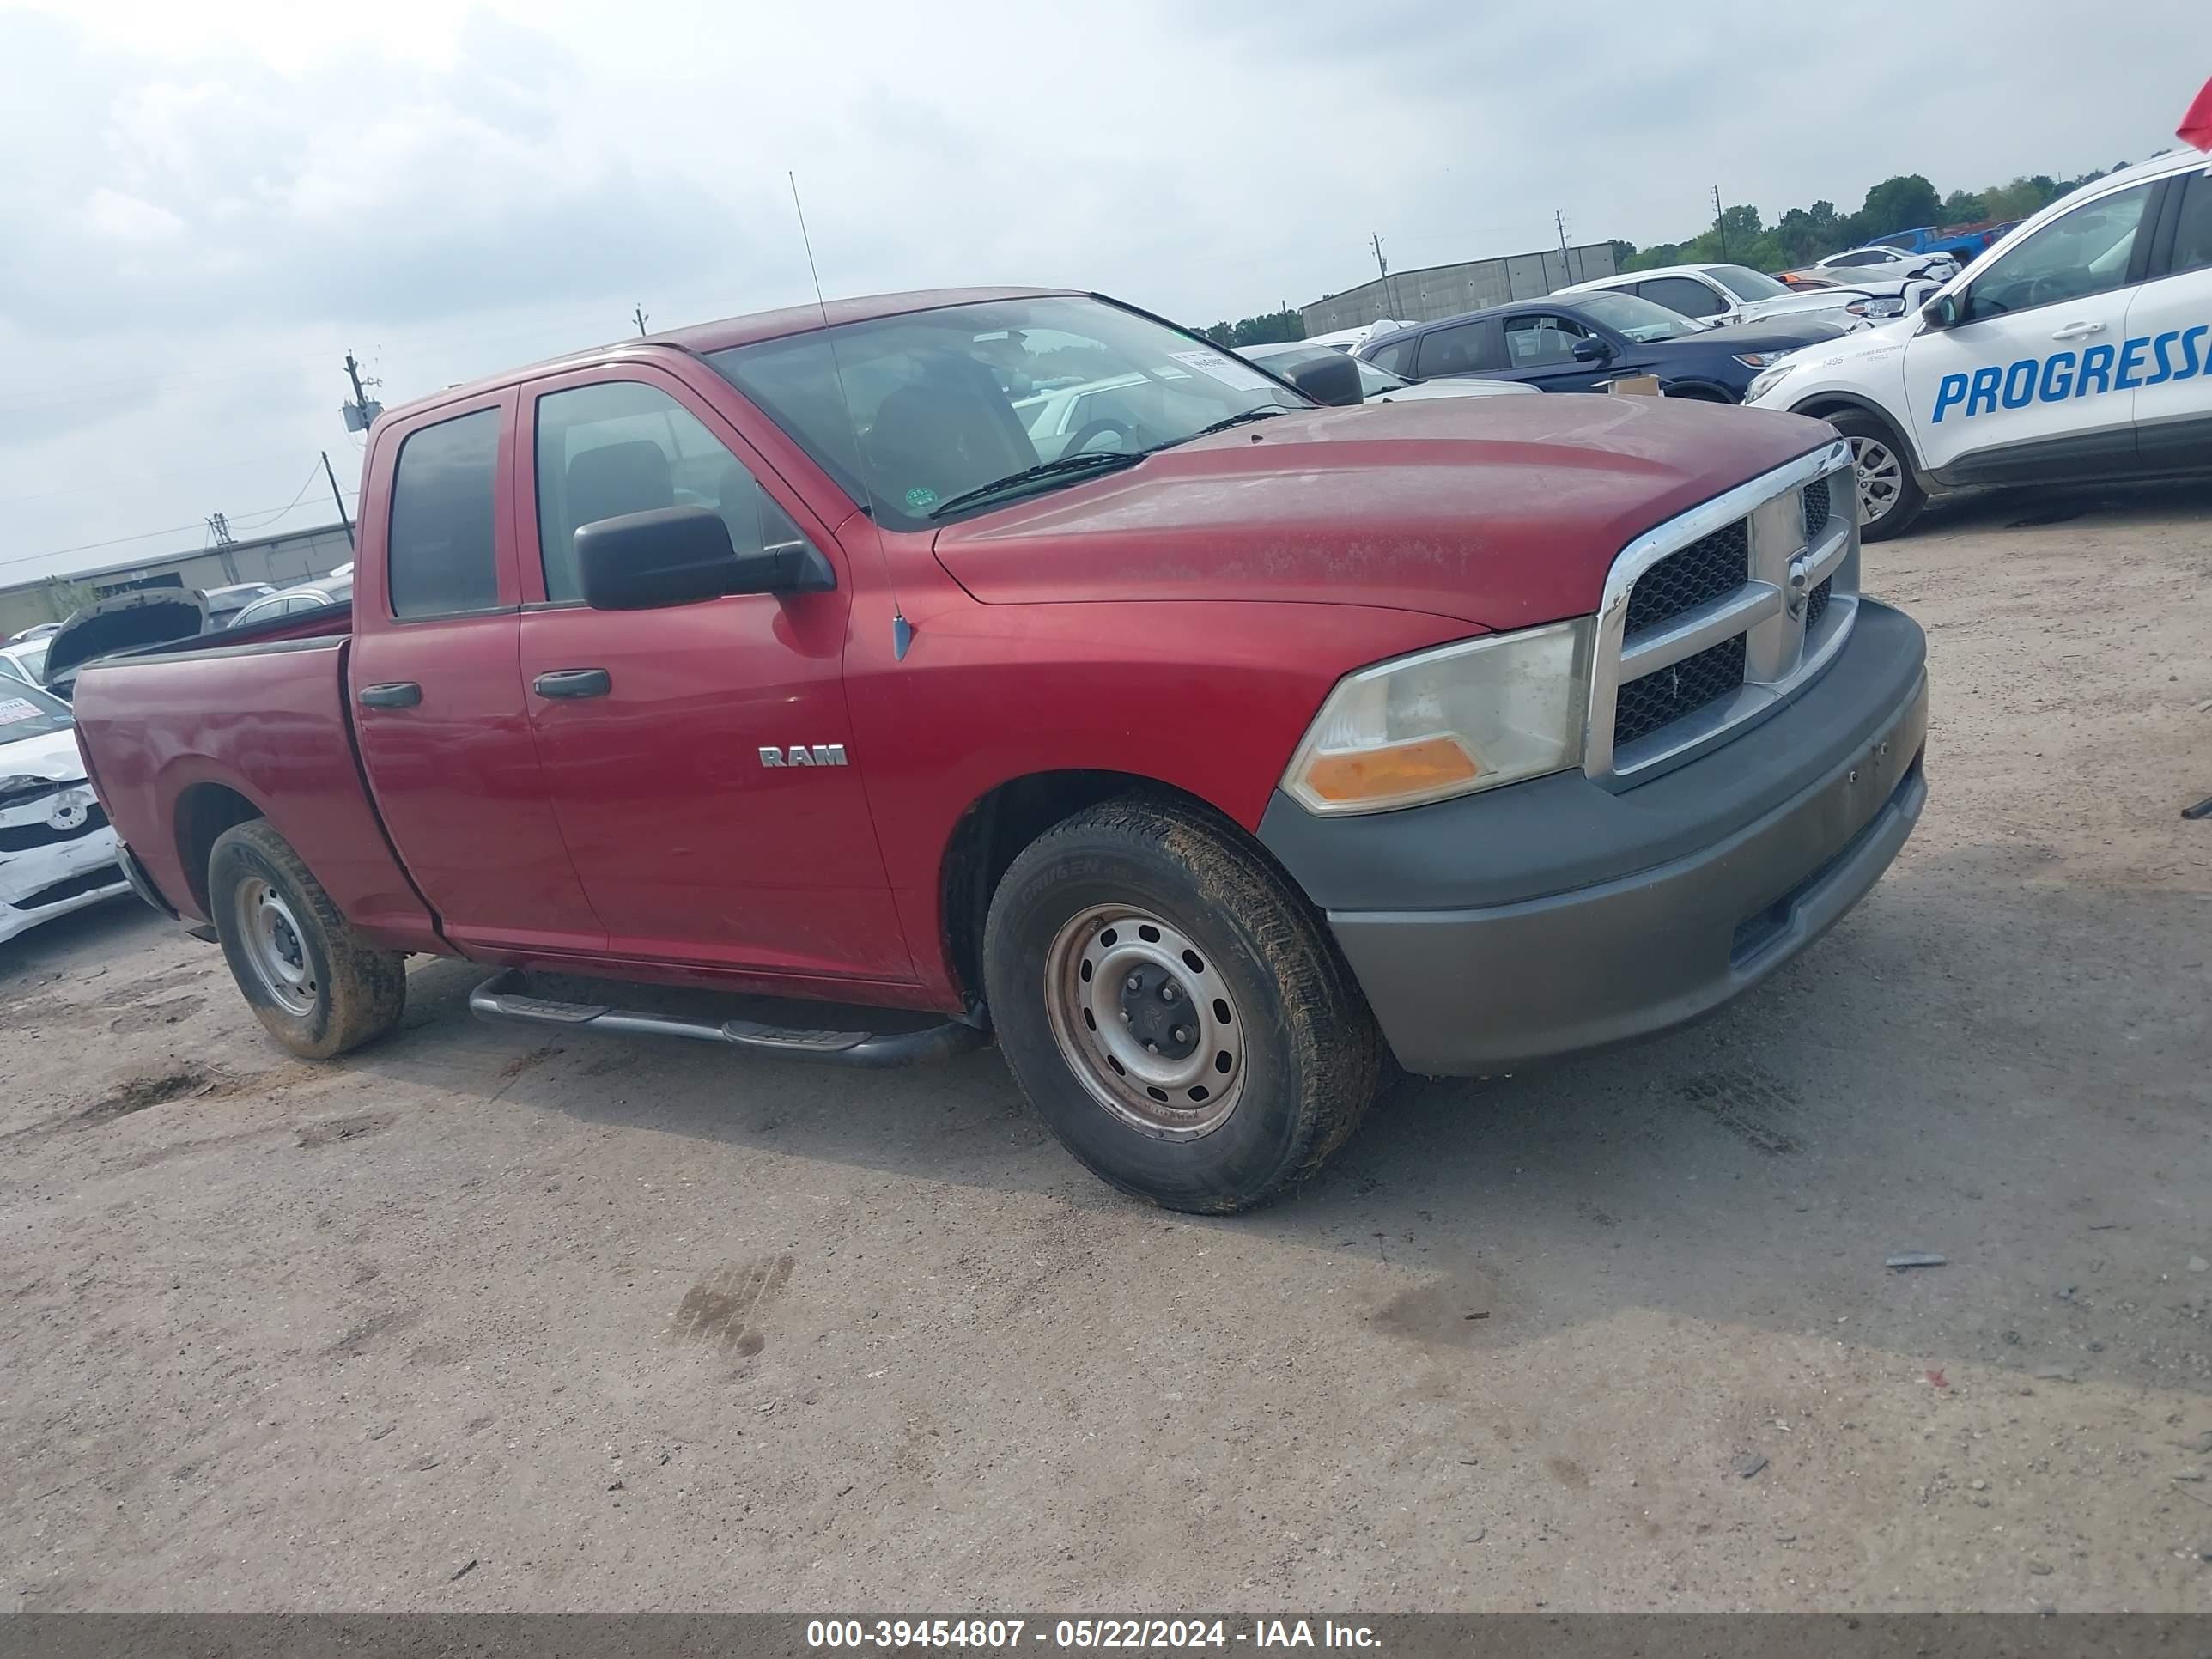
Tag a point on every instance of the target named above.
point(17, 708)
point(1234, 376)
point(919, 496)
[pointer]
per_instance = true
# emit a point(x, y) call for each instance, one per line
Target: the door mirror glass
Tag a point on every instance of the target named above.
point(1943, 312)
point(1334, 380)
point(666, 555)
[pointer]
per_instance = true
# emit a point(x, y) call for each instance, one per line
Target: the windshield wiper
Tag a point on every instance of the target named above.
point(1092, 460)
point(1259, 412)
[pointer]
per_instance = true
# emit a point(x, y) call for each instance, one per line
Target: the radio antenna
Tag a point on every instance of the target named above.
point(902, 630)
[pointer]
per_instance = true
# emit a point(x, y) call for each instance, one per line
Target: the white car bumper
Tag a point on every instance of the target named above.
point(50, 863)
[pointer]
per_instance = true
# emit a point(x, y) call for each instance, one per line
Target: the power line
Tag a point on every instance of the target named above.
point(143, 535)
point(295, 500)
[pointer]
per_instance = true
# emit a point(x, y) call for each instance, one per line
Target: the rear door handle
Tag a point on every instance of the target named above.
point(392, 694)
point(2077, 331)
point(573, 682)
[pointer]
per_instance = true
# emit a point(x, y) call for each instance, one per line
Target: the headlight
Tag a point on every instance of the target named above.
point(1764, 382)
point(1889, 307)
point(1762, 359)
point(1448, 723)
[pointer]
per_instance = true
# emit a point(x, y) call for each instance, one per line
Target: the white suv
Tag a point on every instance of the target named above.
point(2079, 347)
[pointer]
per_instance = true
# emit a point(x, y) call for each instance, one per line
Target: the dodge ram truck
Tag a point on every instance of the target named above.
point(1212, 759)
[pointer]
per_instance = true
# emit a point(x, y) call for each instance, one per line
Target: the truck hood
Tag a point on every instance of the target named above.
point(152, 615)
point(1504, 511)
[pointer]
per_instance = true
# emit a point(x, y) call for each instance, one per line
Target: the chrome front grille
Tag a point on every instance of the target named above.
point(1716, 617)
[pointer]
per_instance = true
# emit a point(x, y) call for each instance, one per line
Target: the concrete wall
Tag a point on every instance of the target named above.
point(280, 561)
point(1422, 296)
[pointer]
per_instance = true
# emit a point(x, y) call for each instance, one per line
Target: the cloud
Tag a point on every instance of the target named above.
point(225, 197)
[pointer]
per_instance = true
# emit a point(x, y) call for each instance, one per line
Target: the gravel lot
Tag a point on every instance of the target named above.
point(472, 1321)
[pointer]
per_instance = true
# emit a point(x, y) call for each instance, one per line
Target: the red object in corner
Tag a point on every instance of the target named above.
point(2196, 127)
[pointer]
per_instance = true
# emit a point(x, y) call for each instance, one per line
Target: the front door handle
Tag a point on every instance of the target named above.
point(392, 694)
point(2077, 331)
point(573, 682)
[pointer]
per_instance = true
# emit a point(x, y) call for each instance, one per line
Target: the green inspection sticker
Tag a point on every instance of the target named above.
point(919, 496)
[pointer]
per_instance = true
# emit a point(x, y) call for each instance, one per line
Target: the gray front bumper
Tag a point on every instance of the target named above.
point(1575, 962)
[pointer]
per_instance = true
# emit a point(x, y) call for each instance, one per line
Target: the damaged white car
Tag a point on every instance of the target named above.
point(56, 853)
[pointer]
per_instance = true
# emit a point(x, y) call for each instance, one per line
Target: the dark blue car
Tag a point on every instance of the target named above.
point(1579, 341)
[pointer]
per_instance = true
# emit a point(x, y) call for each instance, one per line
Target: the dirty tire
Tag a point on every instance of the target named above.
point(1906, 498)
point(360, 991)
point(1312, 1058)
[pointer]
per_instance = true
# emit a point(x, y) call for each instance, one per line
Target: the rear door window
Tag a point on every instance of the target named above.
point(1452, 350)
point(1684, 294)
point(439, 554)
point(2192, 232)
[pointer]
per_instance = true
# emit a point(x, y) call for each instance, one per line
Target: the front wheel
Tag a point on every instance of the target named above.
point(316, 986)
point(1173, 1010)
point(1890, 496)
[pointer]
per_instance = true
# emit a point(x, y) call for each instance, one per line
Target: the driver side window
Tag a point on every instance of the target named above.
point(2079, 254)
point(622, 446)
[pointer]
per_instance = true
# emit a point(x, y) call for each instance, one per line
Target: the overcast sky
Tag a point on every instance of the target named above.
point(204, 205)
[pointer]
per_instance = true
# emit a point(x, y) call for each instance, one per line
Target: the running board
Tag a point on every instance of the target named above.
point(505, 996)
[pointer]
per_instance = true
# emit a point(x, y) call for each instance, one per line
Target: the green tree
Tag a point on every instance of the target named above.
point(1966, 208)
point(1904, 203)
point(1220, 333)
point(1269, 327)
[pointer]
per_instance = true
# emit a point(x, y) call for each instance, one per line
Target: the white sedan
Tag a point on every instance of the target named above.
point(1377, 384)
point(1879, 269)
point(1719, 295)
point(57, 852)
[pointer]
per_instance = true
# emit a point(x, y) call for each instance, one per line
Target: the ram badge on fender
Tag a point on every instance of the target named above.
point(2079, 347)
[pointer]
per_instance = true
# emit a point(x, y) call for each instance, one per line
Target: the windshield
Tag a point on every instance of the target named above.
point(32, 660)
point(1639, 318)
point(948, 400)
point(1746, 284)
point(27, 711)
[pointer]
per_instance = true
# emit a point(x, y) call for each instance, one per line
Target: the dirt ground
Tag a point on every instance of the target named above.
point(474, 1321)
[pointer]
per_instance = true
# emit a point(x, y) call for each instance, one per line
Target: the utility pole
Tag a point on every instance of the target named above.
point(640, 316)
point(1381, 264)
point(337, 498)
point(1560, 220)
point(219, 530)
point(363, 409)
point(1720, 220)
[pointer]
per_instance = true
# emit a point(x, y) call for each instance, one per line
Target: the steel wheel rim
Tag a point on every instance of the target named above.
point(276, 948)
point(1117, 978)
point(1881, 479)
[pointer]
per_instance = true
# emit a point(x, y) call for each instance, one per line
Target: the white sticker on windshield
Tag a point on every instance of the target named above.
point(1227, 370)
point(17, 708)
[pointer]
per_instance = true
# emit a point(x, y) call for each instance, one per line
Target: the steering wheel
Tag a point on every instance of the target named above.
point(1099, 428)
point(2045, 290)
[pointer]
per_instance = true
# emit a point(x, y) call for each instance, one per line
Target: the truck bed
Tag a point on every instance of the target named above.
point(200, 733)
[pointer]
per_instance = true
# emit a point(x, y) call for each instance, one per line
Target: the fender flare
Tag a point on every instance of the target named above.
point(1827, 401)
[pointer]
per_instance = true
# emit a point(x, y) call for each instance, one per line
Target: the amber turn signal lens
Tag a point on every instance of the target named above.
point(1400, 768)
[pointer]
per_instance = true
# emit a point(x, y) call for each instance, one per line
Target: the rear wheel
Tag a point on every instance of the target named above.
point(1173, 1010)
point(315, 984)
point(1890, 496)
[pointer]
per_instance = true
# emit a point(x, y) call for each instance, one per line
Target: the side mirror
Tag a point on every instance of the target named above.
point(1592, 350)
point(1334, 380)
point(1943, 312)
point(678, 554)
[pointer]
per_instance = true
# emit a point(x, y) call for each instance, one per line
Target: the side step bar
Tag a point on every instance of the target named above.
point(505, 996)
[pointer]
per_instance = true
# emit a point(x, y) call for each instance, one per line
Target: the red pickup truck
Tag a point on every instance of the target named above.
point(1015, 657)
